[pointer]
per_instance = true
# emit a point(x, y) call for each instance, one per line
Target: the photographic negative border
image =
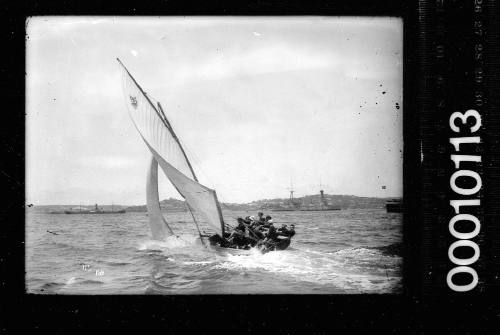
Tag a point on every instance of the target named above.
point(427, 190)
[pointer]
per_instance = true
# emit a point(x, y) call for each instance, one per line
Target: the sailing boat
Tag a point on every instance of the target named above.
point(166, 150)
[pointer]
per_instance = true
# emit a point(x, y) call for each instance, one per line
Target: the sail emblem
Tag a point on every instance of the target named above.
point(133, 101)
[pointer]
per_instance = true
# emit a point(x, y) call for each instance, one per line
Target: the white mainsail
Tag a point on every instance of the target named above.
point(157, 133)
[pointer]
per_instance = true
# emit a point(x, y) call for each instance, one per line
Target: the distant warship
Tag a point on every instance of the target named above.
point(323, 206)
point(295, 206)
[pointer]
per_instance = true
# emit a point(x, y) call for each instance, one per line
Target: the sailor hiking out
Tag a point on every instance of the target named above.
point(257, 232)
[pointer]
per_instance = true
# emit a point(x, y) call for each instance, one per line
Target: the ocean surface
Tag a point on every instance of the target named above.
point(333, 252)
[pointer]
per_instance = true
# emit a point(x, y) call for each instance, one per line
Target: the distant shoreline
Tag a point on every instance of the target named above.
point(176, 205)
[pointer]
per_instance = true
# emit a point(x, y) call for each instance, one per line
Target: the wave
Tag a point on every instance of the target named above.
point(50, 287)
point(395, 249)
point(155, 289)
point(68, 247)
point(171, 242)
point(63, 245)
point(353, 270)
point(82, 281)
point(91, 281)
point(55, 287)
point(72, 280)
point(198, 262)
point(113, 263)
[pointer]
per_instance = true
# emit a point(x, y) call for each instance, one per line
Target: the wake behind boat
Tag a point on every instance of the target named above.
point(166, 150)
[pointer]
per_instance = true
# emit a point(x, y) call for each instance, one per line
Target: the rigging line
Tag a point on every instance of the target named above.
point(166, 224)
point(212, 184)
point(192, 215)
point(178, 141)
point(198, 163)
point(195, 159)
point(202, 171)
point(196, 223)
point(170, 228)
point(219, 211)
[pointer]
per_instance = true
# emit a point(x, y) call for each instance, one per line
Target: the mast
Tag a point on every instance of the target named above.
point(192, 215)
point(323, 201)
point(177, 140)
point(291, 193)
point(196, 223)
point(219, 210)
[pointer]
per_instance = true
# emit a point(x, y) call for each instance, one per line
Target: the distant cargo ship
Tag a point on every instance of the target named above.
point(96, 210)
point(329, 208)
point(283, 209)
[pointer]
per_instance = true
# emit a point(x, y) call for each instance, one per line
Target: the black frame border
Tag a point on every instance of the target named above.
point(404, 312)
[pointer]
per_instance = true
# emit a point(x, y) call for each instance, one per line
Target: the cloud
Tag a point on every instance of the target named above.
point(373, 70)
point(107, 162)
point(215, 73)
point(278, 58)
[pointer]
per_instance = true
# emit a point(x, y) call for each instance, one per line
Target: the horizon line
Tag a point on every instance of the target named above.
point(222, 202)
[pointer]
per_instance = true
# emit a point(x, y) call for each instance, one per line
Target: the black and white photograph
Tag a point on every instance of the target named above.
point(214, 155)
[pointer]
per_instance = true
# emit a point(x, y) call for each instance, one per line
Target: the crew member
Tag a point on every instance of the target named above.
point(267, 224)
point(288, 232)
point(238, 235)
point(283, 230)
point(291, 231)
point(256, 231)
point(272, 235)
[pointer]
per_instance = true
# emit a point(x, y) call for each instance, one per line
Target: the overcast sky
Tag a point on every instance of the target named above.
point(257, 102)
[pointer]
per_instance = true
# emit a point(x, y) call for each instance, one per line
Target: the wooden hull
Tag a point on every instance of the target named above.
point(221, 244)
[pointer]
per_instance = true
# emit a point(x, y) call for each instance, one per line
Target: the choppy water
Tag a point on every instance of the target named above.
point(349, 251)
